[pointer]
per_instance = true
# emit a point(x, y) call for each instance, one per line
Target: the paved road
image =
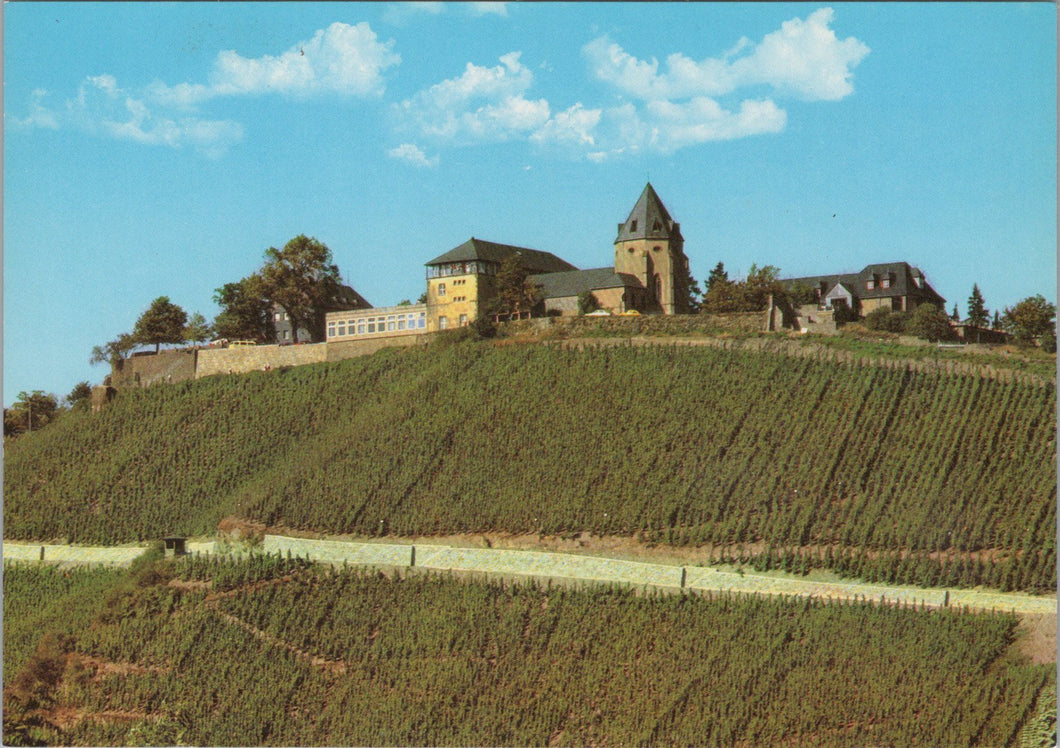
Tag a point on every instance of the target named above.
point(544, 564)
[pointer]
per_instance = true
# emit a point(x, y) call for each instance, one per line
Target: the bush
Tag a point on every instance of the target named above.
point(884, 320)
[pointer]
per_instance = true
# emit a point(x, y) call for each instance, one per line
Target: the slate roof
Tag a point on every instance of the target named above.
point(574, 282)
point(649, 219)
point(534, 260)
point(903, 282)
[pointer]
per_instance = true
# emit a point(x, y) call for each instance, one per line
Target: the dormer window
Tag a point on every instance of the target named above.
point(633, 225)
point(656, 226)
point(870, 284)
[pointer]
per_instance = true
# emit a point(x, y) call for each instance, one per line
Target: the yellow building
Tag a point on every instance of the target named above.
point(462, 282)
point(650, 272)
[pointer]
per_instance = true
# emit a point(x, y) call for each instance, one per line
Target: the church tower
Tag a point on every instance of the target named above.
point(650, 247)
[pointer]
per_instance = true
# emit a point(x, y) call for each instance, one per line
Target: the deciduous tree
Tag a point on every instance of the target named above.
point(246, 313)
point(80, 396)
point(930, 323)
point(1029, 319)
point(302, 279)
point(162, 322)
point(114, 351)
point(197, 330)
point(30, 412)
point(516, 296)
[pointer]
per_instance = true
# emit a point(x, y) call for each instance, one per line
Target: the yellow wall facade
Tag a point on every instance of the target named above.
point(463, 297)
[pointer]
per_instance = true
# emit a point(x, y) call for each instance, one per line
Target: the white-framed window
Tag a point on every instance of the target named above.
point(441, 289)
point(360, 327)
point(463, 320)
point(443, 322)
point(422, 321)
point(331, 330)
point(286, 334)
point(276, 316)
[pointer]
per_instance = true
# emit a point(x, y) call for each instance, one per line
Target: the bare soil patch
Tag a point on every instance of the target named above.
point(1038, 638)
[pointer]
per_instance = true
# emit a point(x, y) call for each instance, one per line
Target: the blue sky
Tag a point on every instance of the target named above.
point(160, 149)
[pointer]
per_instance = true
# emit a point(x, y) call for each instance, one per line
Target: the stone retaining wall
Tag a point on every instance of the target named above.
point(257, 358)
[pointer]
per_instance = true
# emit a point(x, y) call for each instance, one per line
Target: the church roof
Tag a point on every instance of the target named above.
point(649, 219)
point(533, 260)
point(574, 282)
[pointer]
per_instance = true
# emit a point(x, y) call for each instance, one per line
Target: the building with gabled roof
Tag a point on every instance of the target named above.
point(895, 286)
point(650, 272)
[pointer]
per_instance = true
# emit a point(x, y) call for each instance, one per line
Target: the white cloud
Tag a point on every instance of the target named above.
point(481, 104)
point(487, 9)
point(102, 107)
point(679, 104)
point(398, 14)
point(574, 125)
point(341, 59)
point(39, 115)
point(803, 58)
point(413, 154)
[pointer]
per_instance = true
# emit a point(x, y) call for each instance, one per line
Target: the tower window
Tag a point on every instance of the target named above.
point(656, 226)
point(633, 225)
point(631, 250)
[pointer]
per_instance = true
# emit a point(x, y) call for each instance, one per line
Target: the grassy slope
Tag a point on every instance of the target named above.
point(677, 444)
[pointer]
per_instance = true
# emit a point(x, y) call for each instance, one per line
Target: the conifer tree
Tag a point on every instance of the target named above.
point(978, 314)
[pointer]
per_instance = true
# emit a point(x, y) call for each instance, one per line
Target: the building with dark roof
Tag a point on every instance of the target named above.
point(345, 298)
point(650, 248)
point(895, 286)
point(650, 272)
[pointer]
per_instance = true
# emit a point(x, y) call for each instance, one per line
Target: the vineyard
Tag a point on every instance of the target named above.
point(274, 651)
point(870, 469)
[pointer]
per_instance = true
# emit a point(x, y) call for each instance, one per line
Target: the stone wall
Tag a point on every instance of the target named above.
point(257, 358)
point(165, 367)
point(342, 350)
point(646, 324)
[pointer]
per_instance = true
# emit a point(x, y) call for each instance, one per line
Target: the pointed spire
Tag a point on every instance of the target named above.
point(649, 219)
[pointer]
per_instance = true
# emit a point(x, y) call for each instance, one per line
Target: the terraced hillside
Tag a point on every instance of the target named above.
point(846, 465)
point(272, 652)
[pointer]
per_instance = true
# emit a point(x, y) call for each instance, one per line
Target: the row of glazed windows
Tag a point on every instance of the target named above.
point(461, 268)
point(376, 325)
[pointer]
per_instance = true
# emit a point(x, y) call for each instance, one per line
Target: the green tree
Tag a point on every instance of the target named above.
point(801, 294)
point(694, 292)
point(80, 396)
point(516, 295)
point(162, 322)
point(1030, 319)
point(197, 330)
point(978, 314)
point(724, 297)
point(113, 352)
point(955, 315)
point(718, 274)
point(762, 283)
point(31, 411)
point(587, 302)
point(929, 323)
point(246, 314)
point(997, 320)
point(302, 279)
